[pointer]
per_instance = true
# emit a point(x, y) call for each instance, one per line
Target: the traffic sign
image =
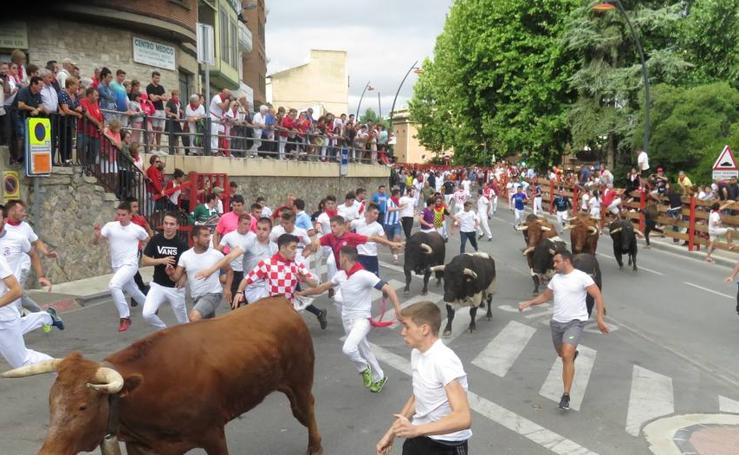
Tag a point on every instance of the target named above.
point(38, 147)
point(725, 166)
point(205, 44)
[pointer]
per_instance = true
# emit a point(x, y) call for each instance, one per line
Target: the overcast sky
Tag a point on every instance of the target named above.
point(382, 37)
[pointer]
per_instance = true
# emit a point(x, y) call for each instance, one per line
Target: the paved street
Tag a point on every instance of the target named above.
point(671, 351)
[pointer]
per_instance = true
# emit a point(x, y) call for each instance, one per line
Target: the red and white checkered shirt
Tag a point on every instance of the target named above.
point(282, 276)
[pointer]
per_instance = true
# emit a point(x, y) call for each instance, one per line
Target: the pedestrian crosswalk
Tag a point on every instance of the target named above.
point(552, 387)
point(499, 355)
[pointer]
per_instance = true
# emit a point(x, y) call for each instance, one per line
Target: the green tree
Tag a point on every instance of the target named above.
point(690, 126)
point(371, 116)
point(498, 82)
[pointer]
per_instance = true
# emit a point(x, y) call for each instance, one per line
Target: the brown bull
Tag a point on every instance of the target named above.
point(584, 234)
point(176, 389)
point(535, 230)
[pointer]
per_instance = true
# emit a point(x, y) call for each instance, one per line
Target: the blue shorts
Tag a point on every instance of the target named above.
point(392, 230)
point(370, 263)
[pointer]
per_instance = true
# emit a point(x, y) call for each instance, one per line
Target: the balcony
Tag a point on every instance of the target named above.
point(245, 43)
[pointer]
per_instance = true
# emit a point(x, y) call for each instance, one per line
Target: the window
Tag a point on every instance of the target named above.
point(223, 27)
point(234, 44)
point(186, 87)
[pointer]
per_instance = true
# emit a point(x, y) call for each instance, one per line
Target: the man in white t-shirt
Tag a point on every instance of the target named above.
point(367, 252)
point(642, 162)
point(438, 407)
point(123, 241)
point(258, 246)
point(483, 212)
point(716, 229)
point(194, 111)
point(237, 239)
point(407, 211)
point(569, 288)
point(460, 197)
point(349, 210)
point(218, 106)
point(356, 312)
point(206, 293)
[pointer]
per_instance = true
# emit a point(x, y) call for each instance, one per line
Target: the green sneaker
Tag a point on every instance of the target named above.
point(376, 387)
point(367, 377)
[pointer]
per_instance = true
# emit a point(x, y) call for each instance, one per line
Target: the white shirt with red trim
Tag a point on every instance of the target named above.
point(280, 275)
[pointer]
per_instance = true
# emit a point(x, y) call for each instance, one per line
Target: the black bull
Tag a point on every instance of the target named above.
point(423, 250)
point(469, 280)
point(624, 241)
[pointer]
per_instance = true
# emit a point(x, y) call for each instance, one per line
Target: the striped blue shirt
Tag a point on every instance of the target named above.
point(393, 217)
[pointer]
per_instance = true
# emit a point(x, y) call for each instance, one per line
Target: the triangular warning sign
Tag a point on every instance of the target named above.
point(725, 161)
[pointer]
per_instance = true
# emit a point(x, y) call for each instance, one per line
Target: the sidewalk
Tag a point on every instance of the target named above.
point(74, 295)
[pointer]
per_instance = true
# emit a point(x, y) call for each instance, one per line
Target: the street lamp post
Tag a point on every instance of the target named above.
point(367, 86)
point(610, 5)
point(392, 109)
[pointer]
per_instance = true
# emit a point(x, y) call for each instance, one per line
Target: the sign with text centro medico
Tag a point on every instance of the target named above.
point(153, 54)
point(38, 147)
point(725, 166)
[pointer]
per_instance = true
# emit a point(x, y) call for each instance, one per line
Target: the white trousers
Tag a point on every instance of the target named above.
point(34, 321)
point(358, 349)
point(215, 130)
point(123, 280)
point(159, 294)
point(484, 226)
point(517, 216)
point(495, 204)
point(281, 143)
point(537, 205)
point(562, 218)
point(13, 346)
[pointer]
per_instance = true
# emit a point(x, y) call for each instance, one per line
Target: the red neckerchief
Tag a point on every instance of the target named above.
point(13, 223)
point(331, 213)
point(281, 258)
point(396, 200)
point(355, 268)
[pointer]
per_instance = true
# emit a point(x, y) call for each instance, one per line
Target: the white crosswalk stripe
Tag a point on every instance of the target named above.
point(728, 405)
point(651, 397)
point(500, 354)
point(552, 387)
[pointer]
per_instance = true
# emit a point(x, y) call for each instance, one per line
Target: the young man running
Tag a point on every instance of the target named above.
point(237, 239)
point(206, 293)
point(438, 407)
point(123, 240)
point(483, 212)
point(356, 312)
point(163, 252)
point(569, 287)
point(282, 274)
point(519, 203)
point(367, 252)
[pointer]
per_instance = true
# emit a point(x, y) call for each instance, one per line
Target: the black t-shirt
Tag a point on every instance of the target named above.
point(733, 190)
point(156, 90)
point(448, 187)
point(27, 97)
point(160, 247)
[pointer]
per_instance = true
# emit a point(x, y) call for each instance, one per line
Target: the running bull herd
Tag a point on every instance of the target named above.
point(136, 394)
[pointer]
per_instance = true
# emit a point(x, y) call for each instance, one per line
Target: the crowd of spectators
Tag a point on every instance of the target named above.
point(85, 108)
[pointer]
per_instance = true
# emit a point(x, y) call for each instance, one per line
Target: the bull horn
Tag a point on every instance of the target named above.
point(546, 229)
point(615, 231)
point(528, 250)
point(109, 380)
point(470, 273)
point(426, 248)
point(593, 230)
point(639, 232)
point(43, 367)
point(110, 446)
point(437, 268)
point(521, 228)
point(569, 226)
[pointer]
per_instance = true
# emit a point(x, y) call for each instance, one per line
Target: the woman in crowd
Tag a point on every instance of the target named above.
point(69, 106)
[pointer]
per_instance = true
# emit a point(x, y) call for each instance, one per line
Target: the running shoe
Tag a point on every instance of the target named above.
point(367, 377)
point(564, 403)
point(377, 386)
point(124, 324)
point(56, 321)
point(322, 319)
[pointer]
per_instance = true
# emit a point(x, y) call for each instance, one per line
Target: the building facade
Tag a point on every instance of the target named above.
point(254, 63)
point(407, 149)
point(321, 84)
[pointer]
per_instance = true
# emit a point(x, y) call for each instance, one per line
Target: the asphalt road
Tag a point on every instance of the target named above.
point(670, 352)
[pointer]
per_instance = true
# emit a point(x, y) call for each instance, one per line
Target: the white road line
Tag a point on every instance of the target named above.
point(641, 267)
point(500, 354)
point(397, 268)
point(709, 290)
point(651, 397)
point(552, 387)
point(415, 299)
point(460, 324)
point(728, 405)
point(520, 425)
point(606, 255)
